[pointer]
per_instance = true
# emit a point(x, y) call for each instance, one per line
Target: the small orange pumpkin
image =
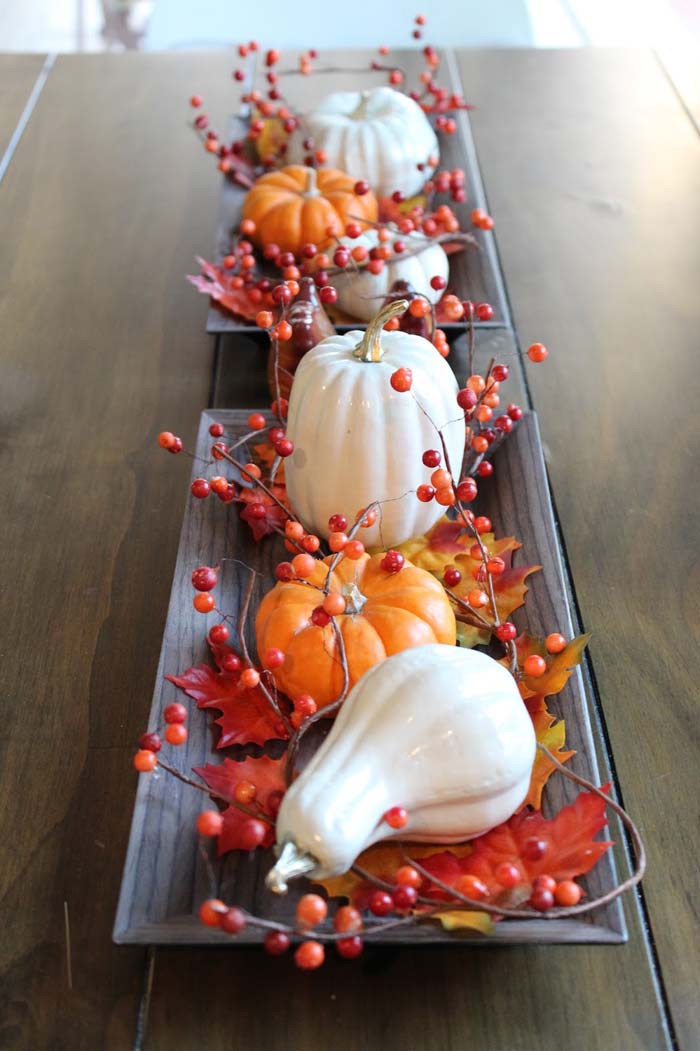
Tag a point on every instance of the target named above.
point(384, 614)
point(296, 206)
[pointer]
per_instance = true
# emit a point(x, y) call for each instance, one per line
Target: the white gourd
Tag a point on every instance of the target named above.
point(439, 730)
point(357, 440)
point(360, 292)
point(380, 135)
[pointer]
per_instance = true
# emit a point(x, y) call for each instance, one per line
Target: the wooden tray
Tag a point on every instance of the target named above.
point(165, 877)
point(474, 273)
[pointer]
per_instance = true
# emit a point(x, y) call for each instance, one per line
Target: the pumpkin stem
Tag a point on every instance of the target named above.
point(354, 599)
point(291, 863)
point(311, 185)
point(370, 349)
point(360, 110)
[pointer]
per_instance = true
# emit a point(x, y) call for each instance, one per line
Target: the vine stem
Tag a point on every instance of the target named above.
point(458, 235)
point(269, 696)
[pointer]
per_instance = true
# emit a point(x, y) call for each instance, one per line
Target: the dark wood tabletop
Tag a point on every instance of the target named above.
point(592, 169)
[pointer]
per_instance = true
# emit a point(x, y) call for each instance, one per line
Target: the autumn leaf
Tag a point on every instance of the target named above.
point(265, 456)
point(274, 517)
point(560, 666)
point(391, 212)
point(448, 540)
point(551, 732)
point(246, 716)
point(216, 283)
point(267, 776)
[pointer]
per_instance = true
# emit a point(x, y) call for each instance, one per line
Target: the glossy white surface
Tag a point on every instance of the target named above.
point(439, 730)
point(356, 438)
point(361, 294)
point(380, 135)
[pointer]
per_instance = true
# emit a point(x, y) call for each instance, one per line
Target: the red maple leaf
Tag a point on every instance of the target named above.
point(217, 283)
point(265, 774)
point(570, 847)
point(274, 517)
point(246, 717)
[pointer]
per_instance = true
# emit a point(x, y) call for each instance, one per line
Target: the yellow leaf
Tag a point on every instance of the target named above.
point(462, 919)
point(551, 733)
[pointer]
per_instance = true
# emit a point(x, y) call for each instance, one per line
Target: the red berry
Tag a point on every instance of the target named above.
point(471, 887)
point(176, 447)
point(250, 678)
point(349, 948)
point(309, 955)
point(431, 458)
point(305, 704)
point(425, 493)
point(534, 666)
point(218, 450)
point(508, 875)
point(211, 911)
point(145, 761)
point(484, 311)
point(361, 187)
point(337, 523)
point(402, 380)
point(503, 424)
point(200, 488)
point(545, 883)
point(437, 282)
point(452, 576)
point(485, 469)
point(284, 571)
point(274, 658)
point(196, 101)
point(284, 447)
point(251, 834)
point(515, 412)
point(396, 817)
point(499, 373)
point(405, 897)
point(204, 578)
point(467, 490)
point(542, 900)
point(506, 632)
point(393, 562)
point(210, 823)
point(381, 903)
point(319, 617)
point(537, 352)
point(467, 399)
point(276, 943)
point(175, 713)
point(176, 734)
point(407, 876)
point(272, 57)
point(534, 848)
point(166, 439)
point(218, 634)
point(328, 295)
point(150, 742)
point(256, 421)
point(232, 921)
point(482, 524)
point(555, 643)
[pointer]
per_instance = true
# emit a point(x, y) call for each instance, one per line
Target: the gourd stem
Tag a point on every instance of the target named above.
point(370, 349)
point(311, 185)
point(291, 863)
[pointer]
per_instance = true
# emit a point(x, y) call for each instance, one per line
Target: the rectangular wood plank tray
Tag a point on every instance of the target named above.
point(165, 876)
point(474, 273)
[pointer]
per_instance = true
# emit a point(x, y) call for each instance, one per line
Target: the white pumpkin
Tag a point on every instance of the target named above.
point(439, 730)
point(357, 440)
point(380, 135)
point(361, 293)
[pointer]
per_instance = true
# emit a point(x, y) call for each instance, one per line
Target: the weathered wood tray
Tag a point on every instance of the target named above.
point(165, 876)
point(474, 273)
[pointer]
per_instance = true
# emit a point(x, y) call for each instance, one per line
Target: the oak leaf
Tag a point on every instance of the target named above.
point(246, 717)
point(268, 777)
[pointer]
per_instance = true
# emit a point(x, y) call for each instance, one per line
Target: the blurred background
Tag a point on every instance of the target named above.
point(113, 25)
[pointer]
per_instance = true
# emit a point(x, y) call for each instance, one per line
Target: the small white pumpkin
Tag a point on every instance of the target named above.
point(360, 294)
point(439, 730)
point(357, 440)
point(380, 135)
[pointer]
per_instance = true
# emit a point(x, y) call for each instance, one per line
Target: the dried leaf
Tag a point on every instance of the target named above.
point(246, 716)
point(267, 776)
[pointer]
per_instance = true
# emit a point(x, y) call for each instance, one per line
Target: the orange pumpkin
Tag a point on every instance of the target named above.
point(296, 206)
point(384, 614)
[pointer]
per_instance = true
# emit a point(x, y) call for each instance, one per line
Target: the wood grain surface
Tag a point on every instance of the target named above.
point(601, 270)
point(18, 75)
point(474, 272)
point(102, 347)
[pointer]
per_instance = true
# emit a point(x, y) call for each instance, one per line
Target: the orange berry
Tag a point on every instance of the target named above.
point(419, 307)
point(476, 383)
point(479, 444)
point(245, 792)
point(252, 470)
point(567, 893)
point(348, 919)
point(309, 955)
point(247, 227)
point(407, 876)
point(555, 643)
point(294, 530)
point(166, 439)
point(176, 734)
point(250, 678)
point(211, 911)
point(534, 666)
point(210, 823)
point(471, 887)
point(264, 319)
point(354, 549)
point(284, 331)
point(477, 598)
point(482, 524)
point(204, 602)
point(337, 541)
point(537, 352)
point(492, 400)
point(334, 604)
point(303, 565)
point(484, 413)
point(440, 478)
point(145, 761)
point(311, 910)
point(446, 496)
point(310, 543)
point(454, 310)
point(368, 517)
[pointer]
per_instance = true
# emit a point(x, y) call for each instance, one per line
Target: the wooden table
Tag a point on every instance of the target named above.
point(592, 168)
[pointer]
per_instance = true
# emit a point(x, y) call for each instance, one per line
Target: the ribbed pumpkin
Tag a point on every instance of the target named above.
point(296, 206)
point(384, 614)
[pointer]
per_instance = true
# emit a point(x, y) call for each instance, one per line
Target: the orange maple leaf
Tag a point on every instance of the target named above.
point(550, 732)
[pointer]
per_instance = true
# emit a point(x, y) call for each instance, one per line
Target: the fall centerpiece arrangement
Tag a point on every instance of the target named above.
point(350, 193)
point(391, 735)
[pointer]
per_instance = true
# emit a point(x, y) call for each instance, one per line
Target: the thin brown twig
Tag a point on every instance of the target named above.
point(259, 815)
